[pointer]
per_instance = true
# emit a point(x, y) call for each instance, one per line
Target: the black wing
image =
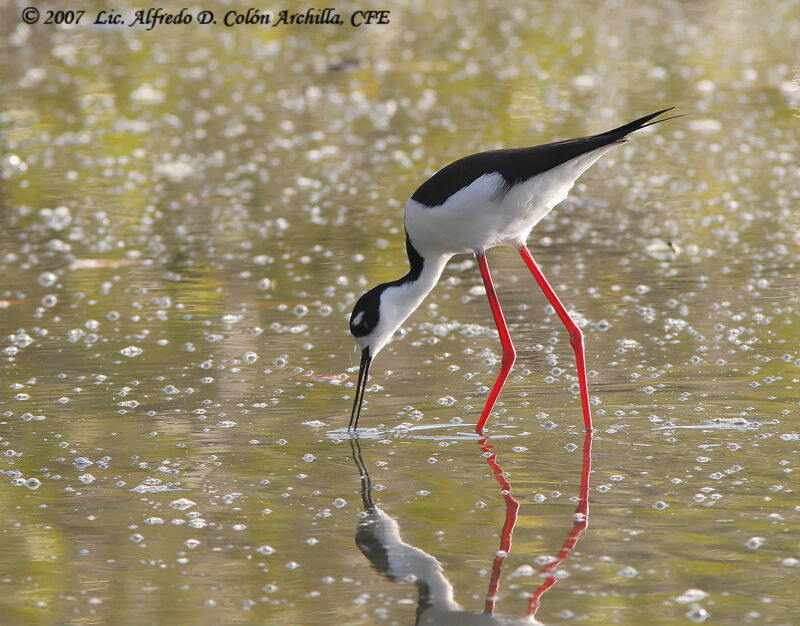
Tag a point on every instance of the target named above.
point(516, 165)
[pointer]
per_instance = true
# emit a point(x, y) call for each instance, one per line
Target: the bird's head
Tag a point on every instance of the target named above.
point(368, 323)
point(372, 323)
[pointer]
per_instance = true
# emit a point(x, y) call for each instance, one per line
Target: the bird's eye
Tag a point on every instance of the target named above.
point(366, 312)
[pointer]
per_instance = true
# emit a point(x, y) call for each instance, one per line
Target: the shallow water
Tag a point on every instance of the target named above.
point(188, 215)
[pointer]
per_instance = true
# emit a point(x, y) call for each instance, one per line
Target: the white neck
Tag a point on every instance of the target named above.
point(400, 301)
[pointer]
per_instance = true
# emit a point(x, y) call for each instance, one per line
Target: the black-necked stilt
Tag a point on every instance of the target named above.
point(478, 202)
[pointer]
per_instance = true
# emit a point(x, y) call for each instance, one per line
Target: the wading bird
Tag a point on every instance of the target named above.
point(480, 201)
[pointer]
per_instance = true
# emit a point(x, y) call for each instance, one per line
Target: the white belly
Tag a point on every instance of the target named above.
point(482, 215)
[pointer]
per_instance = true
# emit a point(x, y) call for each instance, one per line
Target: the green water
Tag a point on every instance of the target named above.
point(188, 213)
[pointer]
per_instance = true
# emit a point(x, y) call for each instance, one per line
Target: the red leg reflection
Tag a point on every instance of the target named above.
point(575, 334)
point(512, 507)
point(509, 354)
point(579, 525)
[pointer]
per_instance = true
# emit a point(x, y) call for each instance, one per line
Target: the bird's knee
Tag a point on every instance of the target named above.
point(576, 338)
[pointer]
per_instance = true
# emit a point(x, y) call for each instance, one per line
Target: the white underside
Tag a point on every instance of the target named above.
point(481, 216)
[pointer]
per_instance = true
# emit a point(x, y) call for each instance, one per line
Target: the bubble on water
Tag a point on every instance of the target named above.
point(226, 424)
point(691, 595)
point(174, 170)
point(49, 300)
point(154, 521)
point(131, 351)
point(151, 485)
point(136, 538)
point(191, 543)
point(446, 401)
point(548, 425)
point(628, 572)
point(790, 561)
point(292, 565)
point(697, 614)
point(182, 504)
point(250, 357)
point(56, 219)
point(171, 390)
point(308, 458)
point(660, 505)
point(523, 570)
point(755, 542)
point(33, 483)
point(82, 462)
point(265, 550)
point(86, 479)
point(22, 339)
point(706, 125)
point(339, 503)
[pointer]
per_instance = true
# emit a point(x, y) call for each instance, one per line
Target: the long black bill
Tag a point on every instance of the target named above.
point(361, 386)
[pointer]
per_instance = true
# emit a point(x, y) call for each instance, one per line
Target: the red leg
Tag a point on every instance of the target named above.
point(575, 334)
point(509, 354)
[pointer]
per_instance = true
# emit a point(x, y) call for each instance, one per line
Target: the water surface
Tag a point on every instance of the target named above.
point(188, 214)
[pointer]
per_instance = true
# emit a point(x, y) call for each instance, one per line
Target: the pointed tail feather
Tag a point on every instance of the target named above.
point(642, 122)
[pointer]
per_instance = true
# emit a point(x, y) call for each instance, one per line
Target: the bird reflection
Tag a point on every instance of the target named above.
point(378, 538)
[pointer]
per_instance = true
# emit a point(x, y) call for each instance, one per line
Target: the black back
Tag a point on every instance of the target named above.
point(517, 165)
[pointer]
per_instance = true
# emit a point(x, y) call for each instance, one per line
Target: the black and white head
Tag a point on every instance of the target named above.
point(371, 331)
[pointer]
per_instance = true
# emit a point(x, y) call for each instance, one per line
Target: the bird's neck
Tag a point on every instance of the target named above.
point(403, 296)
